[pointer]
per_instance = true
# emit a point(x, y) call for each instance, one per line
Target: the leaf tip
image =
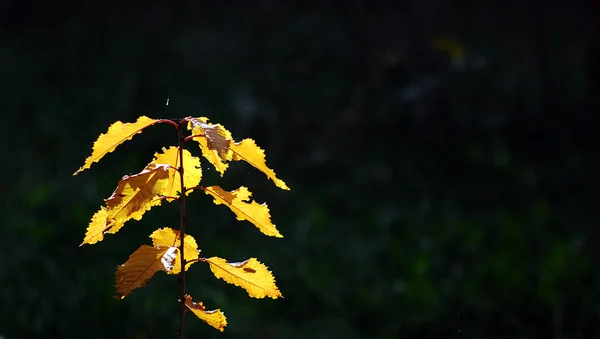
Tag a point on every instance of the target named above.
point(281, 184)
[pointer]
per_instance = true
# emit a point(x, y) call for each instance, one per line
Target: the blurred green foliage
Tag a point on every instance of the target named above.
point(434, 193)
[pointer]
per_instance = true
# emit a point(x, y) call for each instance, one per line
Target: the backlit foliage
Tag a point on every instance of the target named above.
point(161, 181)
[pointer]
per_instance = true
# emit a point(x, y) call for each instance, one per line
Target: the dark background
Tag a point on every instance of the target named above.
point(441, 157)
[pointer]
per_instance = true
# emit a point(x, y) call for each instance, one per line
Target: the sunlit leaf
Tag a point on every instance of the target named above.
point(239, 202)
point(142, 265)
point(214, 318)
point(250, 275)
point(134, 195)
point(192, 171)
point(218, 147)
point(95, 231)
point(248, 151)
point(214, 142)
point(117, 134)
point(169, 237)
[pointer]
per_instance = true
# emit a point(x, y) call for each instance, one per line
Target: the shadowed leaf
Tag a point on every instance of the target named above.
point(134, 195)
point(239, 202)
point(117, 134)
point(250, 275)
point(214, 142)
point(142, 265)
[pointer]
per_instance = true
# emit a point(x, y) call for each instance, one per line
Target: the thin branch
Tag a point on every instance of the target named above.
point(181, 231)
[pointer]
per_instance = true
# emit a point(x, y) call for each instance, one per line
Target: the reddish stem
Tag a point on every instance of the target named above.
point(181, 229)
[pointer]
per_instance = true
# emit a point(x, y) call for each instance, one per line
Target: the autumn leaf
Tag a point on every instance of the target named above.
point(117, 134)
point(142, 265)
point(214, 318)
point(169, 237)
point(218, 147)
point(250, 275)
point(214, 142)
point(95, 231)
point(248, 151)
point(238, 202)
point(191, 175)
point(134, 195)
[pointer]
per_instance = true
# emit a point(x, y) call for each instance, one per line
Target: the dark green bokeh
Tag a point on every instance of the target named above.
point(436, 192)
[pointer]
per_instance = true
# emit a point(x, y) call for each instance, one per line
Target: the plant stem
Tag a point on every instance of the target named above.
point(181, 229)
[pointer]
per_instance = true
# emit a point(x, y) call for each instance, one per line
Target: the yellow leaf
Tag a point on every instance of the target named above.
point(142, 265)
point(95, 231)
point(135, 195)
point(248, 151)
point(250, 275)
point(169, 237)
point(257, 214)
point(214, 142)
point(192, 171)
point(117, 134)
point(214, 318)
point(218, 147)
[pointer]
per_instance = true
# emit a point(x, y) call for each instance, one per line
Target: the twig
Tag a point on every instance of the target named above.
point(181, 229)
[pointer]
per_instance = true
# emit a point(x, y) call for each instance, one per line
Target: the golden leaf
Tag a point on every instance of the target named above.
point(192, 172)
point(257, 214)
point(117, 134)
point(250, 275)
point(214, 318)
point(248, 151)
point(95, 231)
point(218, 147)
point(214, 142)
point(134, 195)
point(142, 265)
point(169, 237)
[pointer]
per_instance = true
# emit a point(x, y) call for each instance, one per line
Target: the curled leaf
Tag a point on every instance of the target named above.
point(214, 142)
point(239, 202)
point(250, 275)
point(218, 147)
point(117, 134)
point(142, 265)
point(169, 237)
point(214, 318)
